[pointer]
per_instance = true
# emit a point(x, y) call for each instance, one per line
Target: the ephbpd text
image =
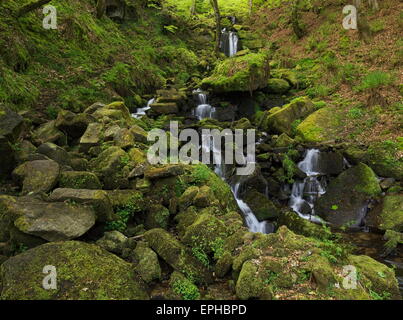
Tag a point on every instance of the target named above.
point(204, 309)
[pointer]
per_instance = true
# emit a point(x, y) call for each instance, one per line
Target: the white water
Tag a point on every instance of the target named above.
point(305, 193)
point(229, 42)
point(252, 222)
point(142, 111)
point(203, 109)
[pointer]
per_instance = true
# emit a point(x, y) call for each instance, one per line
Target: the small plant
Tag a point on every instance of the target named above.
point(201, 256)
point(171, 28)
point(355, 113)
point(186, 289)
point(375, 80)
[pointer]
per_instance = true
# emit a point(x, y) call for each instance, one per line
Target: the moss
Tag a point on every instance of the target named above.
point(147, 266)
point(79, 180)
point(320, 126)
point(278, 86)
point(262, 207)
point(245, 73)
point(84, 272)
point(184, 287)
point(157, 217)
point(391, 216)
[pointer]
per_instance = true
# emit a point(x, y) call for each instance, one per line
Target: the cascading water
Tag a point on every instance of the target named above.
point(236, 183)
point(203, 109)
point(229, 42)
point(142, 111)
point(305, 193)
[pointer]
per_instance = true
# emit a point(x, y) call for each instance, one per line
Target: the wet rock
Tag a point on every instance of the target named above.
point(387, 183)
point(84, 271)
point(204, 197)
point(140, 135)
point(124, 139)
point(388, 215)
point(74, 125)
point(262, 207)
point(302, 226)
point(165, 108)
point(79, 180)
point(331, 163)
point(97, 199)
point(249, 286)
point(37, 176)
point(284, 141)
point(175, 254)
point(54, 152)
point(186, 199)
point(347, 196)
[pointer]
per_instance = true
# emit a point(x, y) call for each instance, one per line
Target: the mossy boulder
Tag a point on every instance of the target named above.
point(147, 264)
point(186, 199)
point(163, 171)
point(48, 132)
point(49, 221)
point(97, 199)
point(348, 195)
point(250, 285)
point(245, 74)
point(162, 108)
point(302, 226)
point(84, 272)
point(113, 167)
point(207, 233)
point(284, 141)
point(112, 241)
point(37, 176)
point(377, 277)
point(320, 126)
point(92, 137)
point(282, 120)
point(123, 138)
point(176, 255)
point(388, 215)
point(79, 180)
point(204, 197)
point(277, 86)
point(11, 123)
point(157, 217)
point(262, 207)
point(54, 152)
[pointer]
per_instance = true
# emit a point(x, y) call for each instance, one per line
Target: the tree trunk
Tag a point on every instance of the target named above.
point(214, 4)
point(31, 6)
point(299, 32)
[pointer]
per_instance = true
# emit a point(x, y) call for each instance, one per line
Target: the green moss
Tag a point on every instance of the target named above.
point(391, 216)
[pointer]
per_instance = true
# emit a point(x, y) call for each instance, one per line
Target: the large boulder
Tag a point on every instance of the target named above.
point(49, 221)
point(320, 126)
point(83, 272)
point(147, 264)
point(176, 255)
point(37, 176)
point(92, 137)
point(388, 215)
point(97, 199)
point(163, 171)
point(157, 217)
point(277, 86)
point(347, 196)
point(54, 152)
point(243, 74)
point(282, 120)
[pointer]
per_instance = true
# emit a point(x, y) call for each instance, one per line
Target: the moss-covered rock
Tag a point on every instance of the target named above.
point(281, 121)
point(84, 272)
point(113, 167)
point(37, 176)
point(207, 233)
point(74, 125)
point(262, 207)
point(79, 180)
point(250, 286)
point(224, 264)
point(377, 277)
point(245, 73)
point(348, 195)
point(176, 255)
point(277, 86)
point(391, 216)
point(48, 132)
point(112, 241)
point(284, 141)
point(54, 152)
point(157, 217)
point(92, 137)
point(186, 199)
point(97, 199)
point(163, 171)
point(204, 197)
point(183, 287)
point(147, 264)
point(320, 126)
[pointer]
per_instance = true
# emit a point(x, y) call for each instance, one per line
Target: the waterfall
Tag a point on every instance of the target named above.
point(142, 111)
point(203, 109)
point(229, 42)
point(305, 193)
point(252, 222)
